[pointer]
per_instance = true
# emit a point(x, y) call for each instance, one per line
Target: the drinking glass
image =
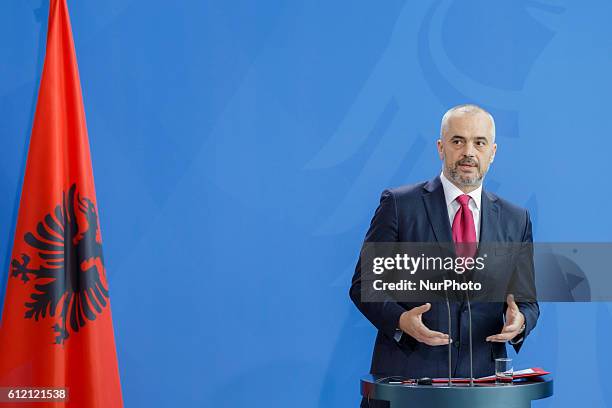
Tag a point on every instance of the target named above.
point(503, 370)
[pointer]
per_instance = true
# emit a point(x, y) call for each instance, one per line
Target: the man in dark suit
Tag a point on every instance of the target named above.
point(450, 208)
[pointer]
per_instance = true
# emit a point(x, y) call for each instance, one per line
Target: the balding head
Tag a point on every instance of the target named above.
point(466, 109)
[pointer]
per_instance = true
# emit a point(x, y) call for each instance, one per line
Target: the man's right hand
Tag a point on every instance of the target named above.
point(411, 323)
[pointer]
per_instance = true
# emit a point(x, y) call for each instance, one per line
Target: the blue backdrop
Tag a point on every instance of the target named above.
point(239, 150)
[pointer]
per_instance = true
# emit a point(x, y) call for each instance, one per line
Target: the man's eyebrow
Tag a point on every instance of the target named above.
point(475, 137)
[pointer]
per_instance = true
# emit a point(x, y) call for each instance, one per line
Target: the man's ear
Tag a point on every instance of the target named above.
point(440, 149)
point(494, 151)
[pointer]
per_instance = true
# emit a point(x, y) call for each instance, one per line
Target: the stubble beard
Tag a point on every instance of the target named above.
point(452, 172)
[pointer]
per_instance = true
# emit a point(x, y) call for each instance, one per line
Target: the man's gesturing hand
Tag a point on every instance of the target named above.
point(514, 323)
point(411, 323)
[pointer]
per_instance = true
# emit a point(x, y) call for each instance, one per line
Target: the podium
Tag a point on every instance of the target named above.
point(490, 395)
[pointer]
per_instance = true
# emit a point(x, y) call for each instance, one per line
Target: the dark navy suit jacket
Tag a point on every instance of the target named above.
point(418, 213)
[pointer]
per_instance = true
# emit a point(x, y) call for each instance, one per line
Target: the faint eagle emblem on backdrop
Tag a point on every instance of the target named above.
point(395, 116)
point(70, 279)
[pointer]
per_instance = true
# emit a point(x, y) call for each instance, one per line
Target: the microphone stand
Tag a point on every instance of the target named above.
point(450, 337)
point(467, 297)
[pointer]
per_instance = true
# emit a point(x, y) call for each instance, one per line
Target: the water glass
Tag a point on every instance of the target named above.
point(503, 370)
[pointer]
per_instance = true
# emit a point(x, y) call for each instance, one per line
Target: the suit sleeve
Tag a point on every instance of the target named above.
point(530, 309)
point(383, 228)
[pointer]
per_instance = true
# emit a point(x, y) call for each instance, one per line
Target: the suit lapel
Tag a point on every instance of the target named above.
point(489, 218)
point(435, 205)
point(489, 226)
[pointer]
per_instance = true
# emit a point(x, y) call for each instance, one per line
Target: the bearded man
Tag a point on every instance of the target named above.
point(451, 207)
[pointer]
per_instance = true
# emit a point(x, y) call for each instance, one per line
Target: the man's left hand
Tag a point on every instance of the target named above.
point(513, 325)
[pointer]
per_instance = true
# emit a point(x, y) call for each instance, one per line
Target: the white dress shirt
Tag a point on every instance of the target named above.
point(451, 192)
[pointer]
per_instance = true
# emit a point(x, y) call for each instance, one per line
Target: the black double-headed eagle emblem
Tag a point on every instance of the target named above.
point(70, 279)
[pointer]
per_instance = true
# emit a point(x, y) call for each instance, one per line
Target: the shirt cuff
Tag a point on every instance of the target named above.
point(517, 341)
point(398, 335)
point(519, 337)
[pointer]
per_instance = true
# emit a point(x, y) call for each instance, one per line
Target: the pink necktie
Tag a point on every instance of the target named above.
point(464, 231)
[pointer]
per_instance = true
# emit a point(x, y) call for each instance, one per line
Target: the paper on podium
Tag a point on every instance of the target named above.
point(529, 372)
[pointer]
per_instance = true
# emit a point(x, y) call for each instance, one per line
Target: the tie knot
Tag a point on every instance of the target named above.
point(463, 199)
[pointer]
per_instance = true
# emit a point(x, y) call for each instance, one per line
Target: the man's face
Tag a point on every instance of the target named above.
point(467, 148)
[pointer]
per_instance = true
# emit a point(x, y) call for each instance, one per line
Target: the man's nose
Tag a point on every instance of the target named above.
point(469, 150)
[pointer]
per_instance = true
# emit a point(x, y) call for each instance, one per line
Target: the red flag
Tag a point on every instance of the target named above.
point(56, 328)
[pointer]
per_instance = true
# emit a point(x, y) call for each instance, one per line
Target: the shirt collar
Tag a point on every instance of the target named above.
point(451, 192)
